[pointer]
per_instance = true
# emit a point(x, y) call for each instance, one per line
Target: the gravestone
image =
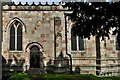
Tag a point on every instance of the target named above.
point(60, 65)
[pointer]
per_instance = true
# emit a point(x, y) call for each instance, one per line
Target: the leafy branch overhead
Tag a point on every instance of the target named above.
point(96, 19)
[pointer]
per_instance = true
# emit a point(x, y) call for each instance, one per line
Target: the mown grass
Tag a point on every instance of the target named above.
point(24, 76)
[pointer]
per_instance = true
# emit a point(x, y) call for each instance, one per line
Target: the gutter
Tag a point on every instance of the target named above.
point(65, 15)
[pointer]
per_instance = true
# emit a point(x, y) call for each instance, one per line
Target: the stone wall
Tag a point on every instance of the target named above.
point(39, 28)
point(85, 59)
point(109, 55)
point(46, 26)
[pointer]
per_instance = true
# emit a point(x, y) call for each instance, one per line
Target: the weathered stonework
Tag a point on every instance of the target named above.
point(41, 27)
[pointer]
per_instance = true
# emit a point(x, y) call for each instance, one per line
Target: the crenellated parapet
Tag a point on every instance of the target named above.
point(12, 6)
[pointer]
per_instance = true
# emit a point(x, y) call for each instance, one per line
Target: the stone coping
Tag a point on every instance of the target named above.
point(11, 6)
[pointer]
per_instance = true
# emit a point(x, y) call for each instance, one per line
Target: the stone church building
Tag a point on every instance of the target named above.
point(40, 33)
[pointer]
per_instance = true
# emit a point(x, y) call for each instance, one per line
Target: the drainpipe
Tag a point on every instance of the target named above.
point(54, 40)
point(98, 55)
point(65, 14)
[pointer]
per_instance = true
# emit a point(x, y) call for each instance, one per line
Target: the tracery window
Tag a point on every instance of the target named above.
point(15, 36)
point(77, 43)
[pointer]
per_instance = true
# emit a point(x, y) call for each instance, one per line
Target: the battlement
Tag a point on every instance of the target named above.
point(11, 6)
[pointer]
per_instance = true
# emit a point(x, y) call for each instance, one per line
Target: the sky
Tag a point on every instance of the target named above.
point(36, 0)
point(49, 1)
point(52, 0)
point(30, 0)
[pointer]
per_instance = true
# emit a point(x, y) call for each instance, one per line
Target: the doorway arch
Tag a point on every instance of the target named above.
point(35, 48)
point(34, 57)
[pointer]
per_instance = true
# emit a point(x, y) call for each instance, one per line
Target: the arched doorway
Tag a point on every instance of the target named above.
point(34, 57)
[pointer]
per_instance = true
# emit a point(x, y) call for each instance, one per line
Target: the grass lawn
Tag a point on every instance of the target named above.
point(24, 76)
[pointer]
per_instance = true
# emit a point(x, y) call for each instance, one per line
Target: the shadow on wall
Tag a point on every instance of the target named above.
point(7, 66)
point(50, 67)
point(61, 65)
point(77, 70)
point(119, 63)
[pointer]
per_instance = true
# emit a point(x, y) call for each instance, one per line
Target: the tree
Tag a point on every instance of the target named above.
point(96, 19)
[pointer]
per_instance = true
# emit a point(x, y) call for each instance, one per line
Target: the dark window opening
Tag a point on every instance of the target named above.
point(19, 38)
point(77, 43)
point(34, 57)
point(12, 38)
point(73, 43)
point(118, 41)
point(81, 43)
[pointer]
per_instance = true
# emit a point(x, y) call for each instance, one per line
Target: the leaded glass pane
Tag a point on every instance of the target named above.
point(12, 38)
point(73, 41)
point(81, 43)
point(19, 38)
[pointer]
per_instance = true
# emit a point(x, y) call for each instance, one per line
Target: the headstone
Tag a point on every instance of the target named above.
point(59, 66)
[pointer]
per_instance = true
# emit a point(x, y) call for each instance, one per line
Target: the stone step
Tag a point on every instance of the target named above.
point(36, 71)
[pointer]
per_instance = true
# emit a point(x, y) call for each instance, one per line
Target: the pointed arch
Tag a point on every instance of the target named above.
point(13, 20)
point(15, 28)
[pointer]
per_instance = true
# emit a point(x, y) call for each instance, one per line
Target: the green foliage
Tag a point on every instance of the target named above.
point(112, 78)
point(24, 76)
point(19, 76)
point(94, 19)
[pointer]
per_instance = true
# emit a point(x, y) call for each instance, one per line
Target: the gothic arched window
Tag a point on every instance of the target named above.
point(77, 43)
point(15, 36)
